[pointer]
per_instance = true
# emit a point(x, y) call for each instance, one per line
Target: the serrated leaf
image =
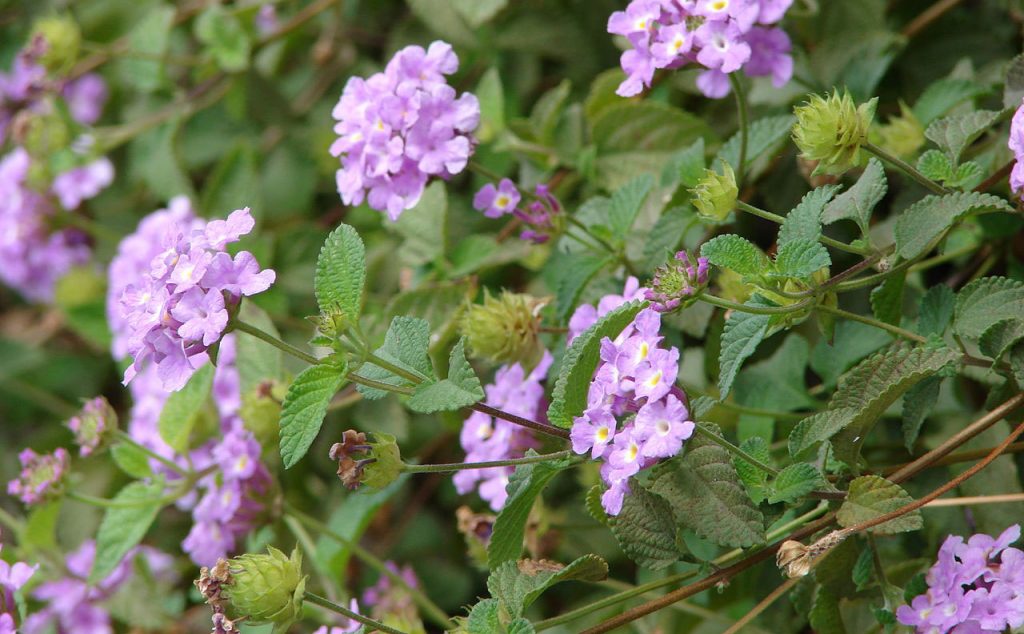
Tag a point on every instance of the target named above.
point(754, 478)
point(484, 617)
point(707, 496)
point(1000, 337)
point(341, 273)
point(686, 168)
point(955, 133)
point(824, 616)
point(926, 219)
point(626, 202)
point(967, 176)
point(579, 270)
point(859, 201)
point(592, 502)
point(132, 460)
point(942, 96)
point(524, 485)
point(870, 496)
point(224, 37)
point(407, 345)
point(887, 299)
point(305, 406)
point(800, 258)
point(804, 221)
point(548, 110)
point(762, 136)
point(935, 165)
point(818, 428)
point(569, 397)
point(917, 404)
point(863, 570)
point(936, 310)
point(461, 389)
point(794, 482)
point(738, 254)
point(646, 530)
point(517, 584)
point(742, 334)
point(985, 302)
point(182, 409)
point(1013, 88)
point(124, 527)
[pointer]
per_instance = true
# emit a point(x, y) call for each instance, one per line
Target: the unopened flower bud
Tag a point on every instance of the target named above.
point(504, 330)
point(93, 426)
point(902, 135)
point(831, 131)
point(266, 588)
point(678, 281)
point(42, 476)
point(715, 194)
point(375, 463)
point(63, 39)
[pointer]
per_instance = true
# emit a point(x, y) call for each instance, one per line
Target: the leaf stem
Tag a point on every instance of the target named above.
point(977, 499)
point(734, 450)
point(870, 321)
point(355, 616)
point(550, 430)
point(395, 369)
point(906, 168)
point(124, 437)
point(741, 109)
point(249, 329)
point(463, 466)
point(754, 310)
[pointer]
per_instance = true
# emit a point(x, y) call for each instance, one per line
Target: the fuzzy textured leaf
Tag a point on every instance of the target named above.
point(341, 273)
point(986, 301)
point(936, 310)
point(954, 133)
point(305, 406)
point(124, 527)
point(517, 584)
point(182, 409)
point(579, 270)
point(926, 219)
point(804, 221)
point(800, 258)
point(742, 334)
point(859, 201)
point(524, 485)
point(738, 254)
point(461, 389)
point(917, 404)
point(870, 496)
point(1000, 337)
point(625, 204)
point(407, 345)
point(794, 482)
point(887, 299)
point(762, 136)
point(646, 529)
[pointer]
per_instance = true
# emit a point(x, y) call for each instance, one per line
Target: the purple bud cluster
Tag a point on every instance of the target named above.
point(386, 598)
point(13, 578)
point(94, 422)
point(723, 36)
point(635, 415)
point(41, 475)
point(398, 128)
point(73, 605)
point(1016, 144)
point(975, 587)
point(180, 307)
point(676, 282)
point(538, 216)
point(485, 438)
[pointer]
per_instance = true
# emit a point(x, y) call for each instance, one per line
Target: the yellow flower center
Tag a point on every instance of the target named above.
point(502, 201)
point(602, 434)
point(655, 379)
point(720, 5)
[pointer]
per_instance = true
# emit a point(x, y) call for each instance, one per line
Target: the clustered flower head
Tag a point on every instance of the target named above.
point(1016, 144)
point(180, 308)
point(723, 36)
point(586, 315)
point(541, 216)
point(398, 128)
point(975, 587)
point(392, 603)
point(505, 329)
point(13, 578)
point(677, 281)
point(485, 438)
point(41, 475)
point(635, 415)
point(96, 421)
point(831, 130)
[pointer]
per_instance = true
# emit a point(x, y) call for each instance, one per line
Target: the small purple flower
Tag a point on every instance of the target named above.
point(593, 432)
point(81, 183)
point(770, 55)
point(41, 475)
point(266, 19)
point(92, 425)
point(586, 315)
point(86, 97)
point(722, 46)
point(662, 426)
point(495, 202)
point(386, 598)
point(1016, 144)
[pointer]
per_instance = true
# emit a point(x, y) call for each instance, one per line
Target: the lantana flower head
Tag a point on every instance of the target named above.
point(1016, 144)
point(398, 128)
point(93, 425)
point(41, 475)
point(678, 281)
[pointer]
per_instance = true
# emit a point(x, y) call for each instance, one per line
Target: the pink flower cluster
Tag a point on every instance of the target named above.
point(41, 475)
point(179, 309)
point(723, 36)
point(13, 577)
point(400, 127)
point(538, 216)
point(486, 438)
point(975, 587)
point(1016, 144)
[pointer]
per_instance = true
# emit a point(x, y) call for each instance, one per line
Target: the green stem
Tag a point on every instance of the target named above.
point(395, 369)
point(114, 504)
point(431, 609)
point(128, 440)
point(907, 169)
point(355, 616)
point(896, 330)
point(767, 215)
point(380, 385)
point(17, 526)
point(274, 341)
point(754, 310)
point(743, 409)
point(463, 466)
point(741, 108)
point(736, 451)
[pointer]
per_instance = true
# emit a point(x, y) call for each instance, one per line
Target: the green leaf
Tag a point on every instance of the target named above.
point(998, 338)
point(742, 334)
point(142, 65)
point(986, 301)
point(442, 18)
point(548, 111)
point(794, 482)
point(763, 135)
point(738, 254)
point(626, 202)
point(477, 12)
point(686, 168)
point(778, 382)
point(182, 408)
point(341, 274)
point(154, 158)
point(917, 404)
point(852, 342)
point(569, 397)
point(124, 527)
point(942, 96)
point(859, 201)
point(870, 496)
point(646, 529)
point(935, 165)
point(234, 183)
point(887, 299)
point(825, 617)
point(707, 496)
point(1013, 88)
point(666, 234)
point(929, 217)
point(955, 133)
point(754, 478)
point(257, 361)
point(461, 389)
point(305, 406)
point(484, 617)
point(800, 258)
point(524, 485)
point(517, 584)
point(132, 460)
point(804, 221)
point(407, 345)
point(577, 273)
point(491, 94)
point(936, 310)
point(224, 37)
point(423, 228)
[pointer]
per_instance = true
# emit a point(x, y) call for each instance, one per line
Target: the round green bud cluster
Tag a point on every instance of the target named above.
point(902, 135)
point(831, 131)
point(266, 588)
point(63, 40)
point(504, 330)
point(715, 194)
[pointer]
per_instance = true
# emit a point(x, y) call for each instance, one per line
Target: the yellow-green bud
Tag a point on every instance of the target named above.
point(831, 131)
point(715, 194)
point(504, 330)
point(902, 135)
point(266, 588)
point(261, 413)
point(63, 39)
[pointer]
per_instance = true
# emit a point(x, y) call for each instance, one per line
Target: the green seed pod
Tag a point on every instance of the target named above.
point(902, 135)
point(504, 330)
point(715, 194)
point(63, 39)
point(266, 588)
point(831, 131)
point(387, 461)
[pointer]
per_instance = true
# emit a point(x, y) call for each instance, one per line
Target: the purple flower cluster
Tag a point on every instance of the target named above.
point(586, 315)
point(180, 307)
point(485, 438)
point(539, 216)
point(1016, 144)
point(92, 424)
point(400, 127)
point(975, 587)
point(12, 578)
point(388, 599)
point(676, 282)
point(41, 475)
point(634, 383)
point(73, 605)
point(723, 36)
